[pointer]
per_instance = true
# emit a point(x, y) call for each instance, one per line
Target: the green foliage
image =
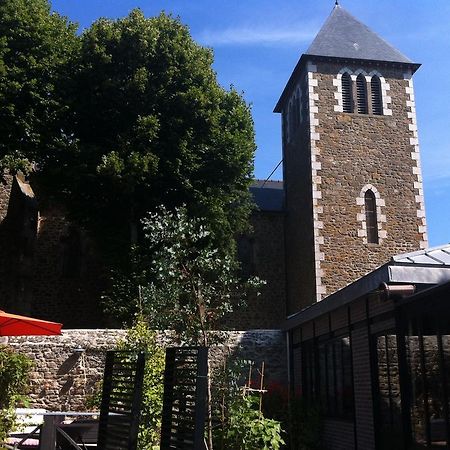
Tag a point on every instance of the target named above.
point(14, 378)
point(240, 423)
point(248, 429)
point(120, 119)
point(153, 126)
point(36, 46)
point(141, 338)
point(186, 284)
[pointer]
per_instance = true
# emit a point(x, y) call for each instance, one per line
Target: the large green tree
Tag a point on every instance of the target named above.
point(155, 127)
point(35, 48)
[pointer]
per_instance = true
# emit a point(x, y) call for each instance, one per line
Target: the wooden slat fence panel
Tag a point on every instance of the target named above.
point(121, 400)
point(184, 405)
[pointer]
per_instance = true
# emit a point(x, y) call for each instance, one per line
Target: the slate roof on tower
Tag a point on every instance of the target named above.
point(343, 36)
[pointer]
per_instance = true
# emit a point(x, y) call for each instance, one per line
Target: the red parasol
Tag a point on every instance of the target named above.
point(14, 325)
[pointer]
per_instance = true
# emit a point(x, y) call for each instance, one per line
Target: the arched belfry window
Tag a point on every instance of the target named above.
point(371, 217)
point(299, 107)
point(347, 101)
point(361, 94)
point(377, 102)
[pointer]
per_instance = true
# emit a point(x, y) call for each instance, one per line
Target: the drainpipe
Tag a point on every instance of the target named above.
point(393, 291)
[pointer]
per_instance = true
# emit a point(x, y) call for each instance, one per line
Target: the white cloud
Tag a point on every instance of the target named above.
point(252, 36)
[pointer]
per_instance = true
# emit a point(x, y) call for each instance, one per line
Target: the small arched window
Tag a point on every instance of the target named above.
point(347, 101)
point(292, 118)
point(285, 125)
point(361, 94)
point(377, 103)
point(371, 217)
point(299, 107)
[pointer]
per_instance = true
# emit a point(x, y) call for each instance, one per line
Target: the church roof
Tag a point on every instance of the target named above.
point(343, 36)
point(268, 195)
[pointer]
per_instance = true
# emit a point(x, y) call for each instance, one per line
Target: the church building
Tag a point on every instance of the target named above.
point(341, 243)
point(366, 320)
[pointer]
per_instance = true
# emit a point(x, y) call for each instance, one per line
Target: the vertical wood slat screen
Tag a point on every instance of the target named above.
point(121, 400)
point(184, 402)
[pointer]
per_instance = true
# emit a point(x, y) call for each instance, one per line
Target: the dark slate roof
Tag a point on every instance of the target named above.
point(343, 36)
point(436, 256)
point(268, 195)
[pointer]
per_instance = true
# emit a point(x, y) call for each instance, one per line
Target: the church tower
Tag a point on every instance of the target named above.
point(353, 185)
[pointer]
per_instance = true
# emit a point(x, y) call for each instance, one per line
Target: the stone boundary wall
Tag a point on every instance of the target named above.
point(67, 367)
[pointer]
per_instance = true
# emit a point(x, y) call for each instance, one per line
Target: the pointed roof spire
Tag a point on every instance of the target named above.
point(343, 36)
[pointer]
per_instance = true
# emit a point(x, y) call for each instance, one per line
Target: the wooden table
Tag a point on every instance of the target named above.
point(51, 420)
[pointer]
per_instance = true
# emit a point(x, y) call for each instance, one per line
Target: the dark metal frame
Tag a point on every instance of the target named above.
point(312, 372)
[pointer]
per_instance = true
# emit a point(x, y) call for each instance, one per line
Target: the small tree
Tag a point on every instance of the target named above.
point(192, 286)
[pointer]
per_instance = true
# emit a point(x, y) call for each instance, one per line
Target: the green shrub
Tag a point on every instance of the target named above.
point(248, 429)
point(240, 424)
point(14, 380)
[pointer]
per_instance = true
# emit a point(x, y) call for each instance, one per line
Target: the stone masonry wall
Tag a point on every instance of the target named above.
point(357, 150)
point(48, 267)
point(68, 276)
point(62, 378)
point(63, 277)
point(331, 159)
point(18, 218)
point(264, 257)
point(299, 230)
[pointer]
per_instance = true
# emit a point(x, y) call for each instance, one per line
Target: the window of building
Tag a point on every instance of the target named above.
point(299, 107)
point(388, 394)
point(295, 118)
point(327, 376)
point(291, 120)
point(285, 125)
point(371, 217)
point(347, 101)
point(294, 115)
point(71, 253)
point(246, 255)
point(361, 94)
point(377, 103)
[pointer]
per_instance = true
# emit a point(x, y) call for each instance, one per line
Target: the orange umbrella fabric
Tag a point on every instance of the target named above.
point(14, 325)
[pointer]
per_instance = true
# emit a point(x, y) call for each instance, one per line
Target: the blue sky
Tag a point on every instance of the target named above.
point(257, 44)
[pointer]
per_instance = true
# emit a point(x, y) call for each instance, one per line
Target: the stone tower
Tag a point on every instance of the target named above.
point(353, 185)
